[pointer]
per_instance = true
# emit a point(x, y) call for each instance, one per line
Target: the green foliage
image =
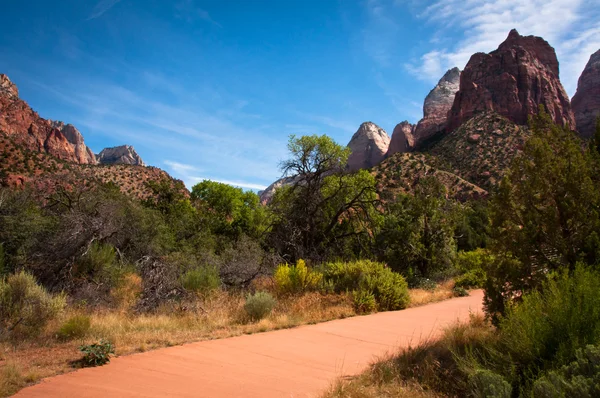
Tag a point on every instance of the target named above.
point(2, 261)
point(298, 278)
point(472, 265)
point(201, 280)
point(486, 384)
point(96, 354)
point(459, 291)
point(545, 214)
point(327, 212)
point(364, 301)
point(25, 306)
point(98, 257)
point(417, 236)
point(259, 305)
point(75, 327)
point(471, 279)
point(581, 378)
point(366, 278)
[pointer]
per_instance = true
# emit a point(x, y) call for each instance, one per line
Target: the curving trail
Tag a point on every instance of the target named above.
point(300, 362)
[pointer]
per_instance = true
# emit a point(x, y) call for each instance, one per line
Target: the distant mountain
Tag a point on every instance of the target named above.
point(124, 154)
point(586, 102)
point(368, 145)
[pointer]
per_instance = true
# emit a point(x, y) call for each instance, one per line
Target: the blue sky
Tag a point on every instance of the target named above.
point(212, 89)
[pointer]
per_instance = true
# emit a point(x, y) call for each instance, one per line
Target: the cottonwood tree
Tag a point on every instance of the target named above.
point(327, 211)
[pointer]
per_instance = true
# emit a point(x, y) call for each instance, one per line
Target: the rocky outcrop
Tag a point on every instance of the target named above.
point(402, 140)
point(82, 152)
point(436, 106)
point(512, 81)
point(34, 133)
point(586, 102)
point(267, 194)
point(368, 145)
point(124, 154)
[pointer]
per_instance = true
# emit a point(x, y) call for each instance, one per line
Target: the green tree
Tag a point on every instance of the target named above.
point(545, 213)
point(417, 236)
point(327, 211)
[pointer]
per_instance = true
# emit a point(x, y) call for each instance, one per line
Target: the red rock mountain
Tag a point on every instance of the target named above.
point(586, 102)
point(436, 106)
point(27, 128)
point(403, 139)
point(512, 81)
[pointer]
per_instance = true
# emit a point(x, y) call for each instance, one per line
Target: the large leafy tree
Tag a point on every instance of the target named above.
point(545, 214)
point(327, 211)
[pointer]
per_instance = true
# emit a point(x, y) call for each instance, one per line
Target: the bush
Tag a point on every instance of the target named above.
point(96, 354)
point(26, 307)
point(98, 257)
point(458, 291)
point(471, 279)
point(259, 305)
point(364, 301)
point(290, 279)
point(202, 280)
point(388, 288)
point(581, 378)
point(486, 384)
point(75, 327)
point(127, 291)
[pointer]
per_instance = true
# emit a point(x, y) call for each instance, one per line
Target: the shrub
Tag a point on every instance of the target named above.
point(75, 327)
point(363, 301)
point(471, 279)
point(388, 288)
point(478, 259)
point(202, 280)
point(25, 306)
point(290, 279)
point(581, 378)
point(259, 305)
point(127, 291)
point(98, 257)
point(486, 384)
point(458, 291)
point(96, 354)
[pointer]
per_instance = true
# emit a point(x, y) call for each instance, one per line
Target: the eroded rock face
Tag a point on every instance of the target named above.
point(31, 131)
point(586, 102)
point(82, 152)
point(124, 154)
point(403, 139)
point(512, 81)
point(267, 194)
point(437, 104)
point(369, 146)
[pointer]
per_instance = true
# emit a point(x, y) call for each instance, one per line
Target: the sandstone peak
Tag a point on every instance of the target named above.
point(586, 102)
point(403, 139)
point(512, 81)
point(74, 137)
point(7, 86)
point(368, 145)
point(436, 106)
point(123, 154)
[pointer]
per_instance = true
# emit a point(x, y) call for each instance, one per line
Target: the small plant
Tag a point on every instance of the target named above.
point(459, 291)
point(486, 384)
point(471, 279)
point(259, 305)
point(75, 327)
point(201, 280)
point(96, 354)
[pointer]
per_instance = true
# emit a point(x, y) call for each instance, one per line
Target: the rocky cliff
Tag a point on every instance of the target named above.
point(512, 81)
point(436, 106)
point(368, 145)
point(124, 154)
point(83, 154)
point(403, 139)
point(28, 129)
point(586, 102)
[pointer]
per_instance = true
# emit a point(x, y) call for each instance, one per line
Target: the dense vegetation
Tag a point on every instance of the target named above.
point(534, 246)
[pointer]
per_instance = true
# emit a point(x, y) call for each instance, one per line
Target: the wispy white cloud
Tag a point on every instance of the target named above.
point(571, 26)
point(101, 7)
point(189, 11)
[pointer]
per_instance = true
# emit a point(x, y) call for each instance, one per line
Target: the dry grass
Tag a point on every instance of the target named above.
point(219, 316)
point(427, 370)
point(420, 297)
